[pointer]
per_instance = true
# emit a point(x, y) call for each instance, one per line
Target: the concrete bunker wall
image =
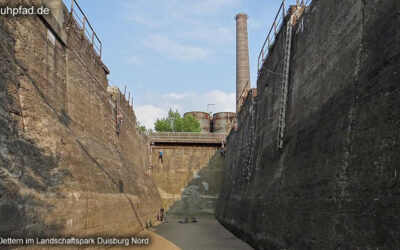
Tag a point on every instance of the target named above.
point(64, 170)
point(335, 183)
point(189, 178)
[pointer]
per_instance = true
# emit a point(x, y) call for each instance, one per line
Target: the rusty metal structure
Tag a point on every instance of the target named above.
point(223, 121)
point(294, 13)
point(81, 20)
point(203, 118)
point(274, 30)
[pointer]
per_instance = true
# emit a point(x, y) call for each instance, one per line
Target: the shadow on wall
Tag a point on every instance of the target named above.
point(200, 195)
point(23, 165)
point(119, 184)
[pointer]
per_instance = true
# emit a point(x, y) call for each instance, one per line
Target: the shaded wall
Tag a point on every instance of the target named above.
point(335, 184)
point(189, 177)
point(64, 169)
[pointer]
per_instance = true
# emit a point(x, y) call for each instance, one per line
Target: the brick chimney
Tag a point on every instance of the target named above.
point(242, 60)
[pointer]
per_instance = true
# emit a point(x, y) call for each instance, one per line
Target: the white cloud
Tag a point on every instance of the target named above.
point(143, 19)
point(183, 102)
point(155, 13)
point(134, 60)
point(148, 114)
point(211, 33)
point(184, 30)
point(174, 96)
point(223, 101)
point(175, 50)
point(212, 6)
point(254, 24)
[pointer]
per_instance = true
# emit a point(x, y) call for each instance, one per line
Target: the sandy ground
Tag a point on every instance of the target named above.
point(206, 234)
point(157, 242)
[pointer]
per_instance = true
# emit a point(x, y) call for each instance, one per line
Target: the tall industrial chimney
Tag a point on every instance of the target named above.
point(242, 60)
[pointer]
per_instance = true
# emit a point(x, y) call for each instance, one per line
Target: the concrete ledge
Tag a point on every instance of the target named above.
point(54, 23)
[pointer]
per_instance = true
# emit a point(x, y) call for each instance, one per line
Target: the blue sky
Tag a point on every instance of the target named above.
point(176, 53)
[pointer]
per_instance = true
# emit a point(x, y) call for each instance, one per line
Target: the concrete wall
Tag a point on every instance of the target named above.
point(64, 170)
point(189, 177)
point(335, 184)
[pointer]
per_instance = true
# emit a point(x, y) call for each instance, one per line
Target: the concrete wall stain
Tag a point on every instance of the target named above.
point(64, 170)
point(334, 184)
point(189, 178)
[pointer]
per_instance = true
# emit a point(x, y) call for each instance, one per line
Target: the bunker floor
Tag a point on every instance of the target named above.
point(207, 233)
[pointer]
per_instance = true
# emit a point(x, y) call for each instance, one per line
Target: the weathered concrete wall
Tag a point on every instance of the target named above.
point(335, 184)
point(189, 177)
point(63, 168)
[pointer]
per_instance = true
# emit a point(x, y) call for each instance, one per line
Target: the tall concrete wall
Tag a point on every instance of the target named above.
point(189, 177)
point(335, 184)
point(64, 170)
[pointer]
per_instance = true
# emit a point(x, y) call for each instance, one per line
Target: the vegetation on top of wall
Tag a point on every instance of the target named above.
point(175, 123)
point(143, 128)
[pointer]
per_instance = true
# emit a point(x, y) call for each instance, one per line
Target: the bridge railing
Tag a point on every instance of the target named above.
point(186, 136)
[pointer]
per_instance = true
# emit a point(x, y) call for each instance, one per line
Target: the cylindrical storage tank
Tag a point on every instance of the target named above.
point(223, 121)
point(203, 118)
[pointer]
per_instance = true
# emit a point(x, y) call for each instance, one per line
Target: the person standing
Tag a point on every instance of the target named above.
point(161, 214)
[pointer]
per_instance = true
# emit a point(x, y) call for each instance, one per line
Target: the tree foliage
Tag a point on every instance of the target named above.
point(175, 123)
point(142, 128)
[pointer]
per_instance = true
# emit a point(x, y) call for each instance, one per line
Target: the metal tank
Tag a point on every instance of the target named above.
point(203, 118)
point(222, 121)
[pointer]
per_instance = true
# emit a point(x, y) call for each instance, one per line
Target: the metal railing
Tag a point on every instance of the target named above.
point(87, 29)
point(270, 40)
point(243, 96)
point(274, 30)
point(185, 137)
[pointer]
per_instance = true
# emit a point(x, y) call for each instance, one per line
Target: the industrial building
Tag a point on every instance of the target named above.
point(221, 122)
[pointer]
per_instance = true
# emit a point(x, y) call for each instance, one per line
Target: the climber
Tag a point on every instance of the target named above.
point(120, 117)
point(148, 172)
point(222, 150)
point(161, 215)
point(221, 153)
point(160, 155)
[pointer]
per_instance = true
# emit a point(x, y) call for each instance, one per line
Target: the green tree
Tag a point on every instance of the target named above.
point(162, 125)
point(190, 124)
point(175, 123)
point(143, 128)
